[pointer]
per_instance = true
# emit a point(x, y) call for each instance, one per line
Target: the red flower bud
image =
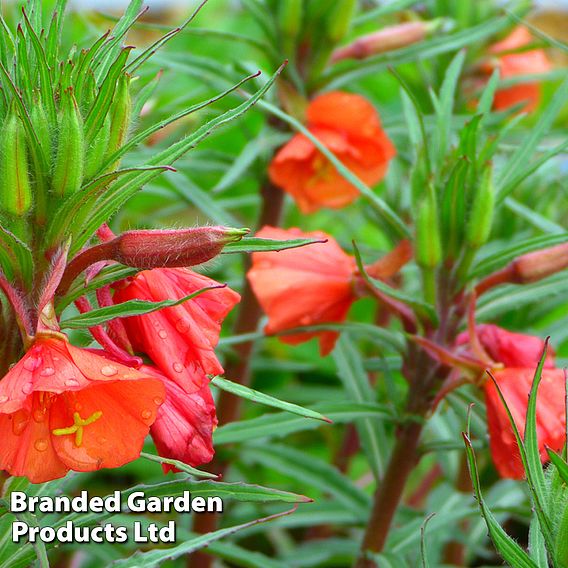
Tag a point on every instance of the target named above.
point(173, 248)
point(387, 39)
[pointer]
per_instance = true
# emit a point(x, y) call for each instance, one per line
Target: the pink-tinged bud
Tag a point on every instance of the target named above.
point(541, 263)
point(387, 39)
point(528, 268)
point(172, 248)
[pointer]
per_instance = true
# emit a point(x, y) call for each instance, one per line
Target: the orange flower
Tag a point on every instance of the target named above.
point(514, 64)
point(306, 286)
point(350, 127)
point(64, 408)
point(518, 355)
point(515, 384)
point(180, 340)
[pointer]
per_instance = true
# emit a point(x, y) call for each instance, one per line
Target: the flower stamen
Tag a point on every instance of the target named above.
point(78, 426)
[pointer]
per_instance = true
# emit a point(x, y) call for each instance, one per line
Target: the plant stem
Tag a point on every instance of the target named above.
point(389, 493)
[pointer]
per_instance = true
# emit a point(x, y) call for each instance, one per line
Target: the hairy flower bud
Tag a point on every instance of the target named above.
point(120, 116)
point(481, 217)
point(97, 151)
point(69, 163)
point(541, 263)
point(42, 130)
point(15, 188)
point(173, 248)
point(387, 39)
point(428, 249)
point(339, 19)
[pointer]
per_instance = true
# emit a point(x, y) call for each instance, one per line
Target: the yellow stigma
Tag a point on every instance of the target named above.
point(77, 427)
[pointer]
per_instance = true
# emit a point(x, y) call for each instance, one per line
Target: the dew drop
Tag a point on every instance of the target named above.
point(163, 334)
point(146, 414)
point(3, 399)
point(109, 371)
point(102, 441)
point(27, 388)
point(71, 382)
point(41, 445)
point(19, 422)
point(32, 363)
point(178, 367)
point(182, 326)
point(158, 400)
point(39, 415)
point(306, 320)
point(47, 372)
point(78, 406)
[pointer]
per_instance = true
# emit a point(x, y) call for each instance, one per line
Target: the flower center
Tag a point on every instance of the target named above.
point(78, 426)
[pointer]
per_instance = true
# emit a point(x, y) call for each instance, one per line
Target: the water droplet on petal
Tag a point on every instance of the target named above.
point(109, 371)
point(158, 400)
point(146, 414)
point(78, 406)
point(39, 415)
point(47, 372)
point(306, 320)
point(71, 382)
point(102, 441)
point(41, 445)
point(182, 326)
point(27, 388)
point(20, 421)
point(32, 363)
point(163, 334)
point(3, 399)
point(178, 367)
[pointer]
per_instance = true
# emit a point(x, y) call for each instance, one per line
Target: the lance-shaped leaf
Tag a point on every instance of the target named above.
point(256, 244)
point(511, 552)
point(267, 400)
point(125, 310)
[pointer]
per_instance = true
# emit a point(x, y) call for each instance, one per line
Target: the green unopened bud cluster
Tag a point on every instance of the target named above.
point(63, 120)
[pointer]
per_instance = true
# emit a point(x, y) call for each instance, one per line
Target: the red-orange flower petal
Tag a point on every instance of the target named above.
point(65, 408)
point(516, 384)
point(530, 62)
point(184, 427)
point(305, 286)
point(513, 349)
point(180, 340)
point(350, 127)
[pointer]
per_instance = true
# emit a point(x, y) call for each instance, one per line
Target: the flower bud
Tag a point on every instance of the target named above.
point(481, 216)
point(387, 39)
point(172, 248)
point(339, 20)
point(290, 22)
point(40, 123)
point(541, 263)
point(15, 188)
point(428, 249)
point(97, 151)
point(120, 116)
point(69, 163)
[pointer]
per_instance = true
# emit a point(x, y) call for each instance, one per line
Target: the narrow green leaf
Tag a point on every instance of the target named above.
point(559, 464)
point(510, 551)
point(308, 470)
point(278, 425)
point(156, 557)
point(179, 465)
point(257, 244)
point(125, 310)
point(356, 384)
point(261, 398)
